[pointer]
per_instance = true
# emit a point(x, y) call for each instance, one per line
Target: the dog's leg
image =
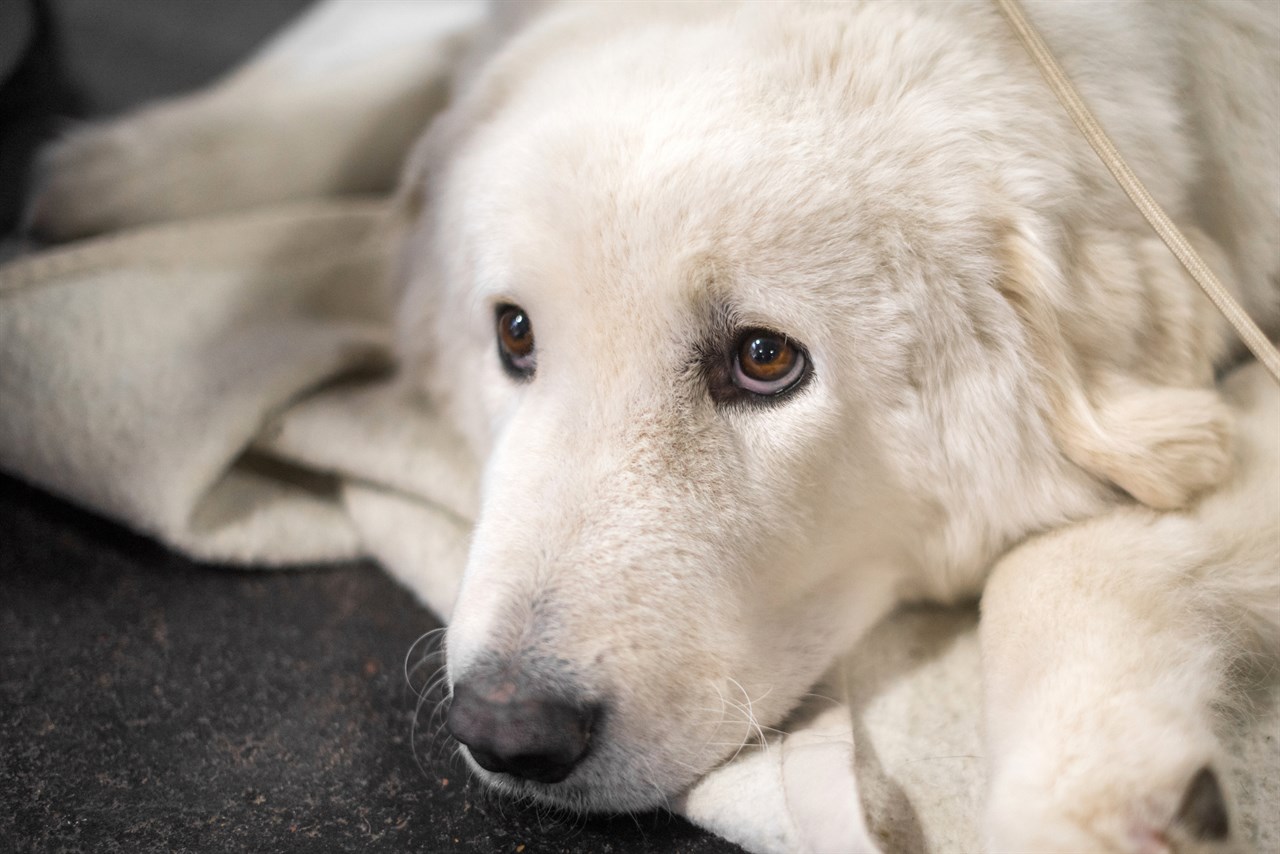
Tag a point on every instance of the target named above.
point(1099, 686)
point(1105, 650)
point(330, 106)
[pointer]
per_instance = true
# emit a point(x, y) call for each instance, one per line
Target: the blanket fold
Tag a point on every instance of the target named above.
point(139, 369)
point(227, 386)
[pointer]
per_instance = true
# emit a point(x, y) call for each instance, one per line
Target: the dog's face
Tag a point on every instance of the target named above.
point(727, 336)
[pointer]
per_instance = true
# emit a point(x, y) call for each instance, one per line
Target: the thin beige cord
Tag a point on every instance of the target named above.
point(1252, 336)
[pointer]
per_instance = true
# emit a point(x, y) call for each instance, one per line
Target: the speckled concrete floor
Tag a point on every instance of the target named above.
point(150, 703)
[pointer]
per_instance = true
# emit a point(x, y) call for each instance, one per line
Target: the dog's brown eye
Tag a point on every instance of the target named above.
point(515, 341)
point(767, 363)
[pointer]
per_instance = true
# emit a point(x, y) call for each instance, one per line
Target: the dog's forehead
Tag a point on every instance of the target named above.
point(647, 193)
point(643, 218)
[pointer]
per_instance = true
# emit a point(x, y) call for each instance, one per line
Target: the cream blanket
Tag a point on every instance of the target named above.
point(226, 386)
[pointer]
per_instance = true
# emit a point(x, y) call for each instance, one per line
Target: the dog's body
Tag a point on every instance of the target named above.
point(995, 344)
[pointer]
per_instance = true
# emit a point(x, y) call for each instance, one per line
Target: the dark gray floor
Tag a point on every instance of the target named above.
point(149, 703)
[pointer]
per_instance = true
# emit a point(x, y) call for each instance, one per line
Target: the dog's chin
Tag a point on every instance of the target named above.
point(590, 790)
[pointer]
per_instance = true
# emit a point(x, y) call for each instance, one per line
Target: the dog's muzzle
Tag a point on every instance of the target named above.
point(509, 729)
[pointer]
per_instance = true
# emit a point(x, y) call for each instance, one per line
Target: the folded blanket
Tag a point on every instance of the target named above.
point(227, 386)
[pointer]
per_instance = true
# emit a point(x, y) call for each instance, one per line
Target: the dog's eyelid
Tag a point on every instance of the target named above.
point(779, 366)
point(517, 350)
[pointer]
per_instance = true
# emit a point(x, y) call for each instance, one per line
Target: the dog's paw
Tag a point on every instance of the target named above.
point(159, 163)
point(1191, 819)
point(93, 180)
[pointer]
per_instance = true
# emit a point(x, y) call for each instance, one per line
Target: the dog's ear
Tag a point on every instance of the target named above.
point(1161, 443)
point(481, 81)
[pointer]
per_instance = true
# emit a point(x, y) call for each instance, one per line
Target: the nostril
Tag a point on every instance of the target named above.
point(509, 731)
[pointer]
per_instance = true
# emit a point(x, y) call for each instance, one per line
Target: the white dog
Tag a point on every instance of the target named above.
point(767, 317)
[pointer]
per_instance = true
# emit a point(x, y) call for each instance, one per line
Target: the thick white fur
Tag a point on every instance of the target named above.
point(1001, 350)
point(1107, 646)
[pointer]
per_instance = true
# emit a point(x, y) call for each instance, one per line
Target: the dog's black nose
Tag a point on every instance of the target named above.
point(514, 732)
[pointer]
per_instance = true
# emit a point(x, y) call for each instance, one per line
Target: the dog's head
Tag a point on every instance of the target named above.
point(720, 304)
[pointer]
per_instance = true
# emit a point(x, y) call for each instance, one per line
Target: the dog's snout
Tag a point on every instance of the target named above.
point(513, 731)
